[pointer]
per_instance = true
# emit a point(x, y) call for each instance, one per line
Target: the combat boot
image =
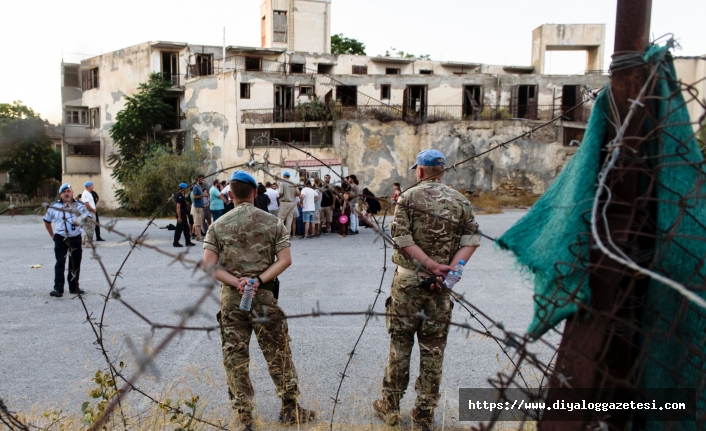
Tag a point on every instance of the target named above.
point(246, 421)
point(387, 411)
point(423, 418)
point(292, 413)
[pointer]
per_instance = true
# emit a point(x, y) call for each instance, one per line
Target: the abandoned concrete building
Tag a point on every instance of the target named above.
point(379, 111)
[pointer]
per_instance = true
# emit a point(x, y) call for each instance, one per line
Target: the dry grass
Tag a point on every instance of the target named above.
point(488, 203)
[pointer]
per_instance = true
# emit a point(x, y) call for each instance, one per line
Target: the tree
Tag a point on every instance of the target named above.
point(344, 45)
point(135, 132)
point(406, 54)
point(26, 152)
point(156, 176)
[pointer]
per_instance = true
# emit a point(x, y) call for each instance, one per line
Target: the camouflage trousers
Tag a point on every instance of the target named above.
point(88, 230)
point(407, 299)
point(237, 327)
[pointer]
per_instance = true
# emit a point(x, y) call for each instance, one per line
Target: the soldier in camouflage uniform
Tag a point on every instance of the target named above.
point(242, 245)
point(429, 246)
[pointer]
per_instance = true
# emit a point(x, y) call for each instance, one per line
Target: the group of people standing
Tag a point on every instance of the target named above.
point(316, 207)
point(199, 208)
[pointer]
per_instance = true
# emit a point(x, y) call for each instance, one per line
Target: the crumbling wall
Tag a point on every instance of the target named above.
point(382, 153)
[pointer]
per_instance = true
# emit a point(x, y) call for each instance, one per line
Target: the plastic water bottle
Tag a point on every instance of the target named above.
point(246, 300)
point(454, 275)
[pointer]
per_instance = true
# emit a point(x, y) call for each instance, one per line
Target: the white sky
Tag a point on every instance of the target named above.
point(36, 32)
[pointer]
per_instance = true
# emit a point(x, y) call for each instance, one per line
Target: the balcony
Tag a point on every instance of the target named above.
point(421, 114)
point(177, 80)
point(77, 131)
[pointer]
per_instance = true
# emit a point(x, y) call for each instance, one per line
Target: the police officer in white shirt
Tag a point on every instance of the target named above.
point(63, 222)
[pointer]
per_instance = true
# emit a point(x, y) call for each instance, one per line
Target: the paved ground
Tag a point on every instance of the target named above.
point(48, 355)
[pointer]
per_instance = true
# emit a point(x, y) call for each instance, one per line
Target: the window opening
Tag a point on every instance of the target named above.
point(472, 100)
point(170, 67)
point(244, 90)
point(284, 101)
point(426, 72)
point(94, 117)
point(571, 96)
point(90, 79)
point(524, 101)
point(306, 90)
point(71, 77)
point(417, 100)
point(392, 71)
point(173, 121)
point(300, 135)
point(204, 65)
point(325, 68)
point(360, 70)
point(385, 91)
point(296, 68)
point(253, 63)
point(347, 95)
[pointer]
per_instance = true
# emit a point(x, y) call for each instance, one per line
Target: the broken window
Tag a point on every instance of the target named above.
point(524, 101)
point(71, 76)
point(573, 136)
point(324, 68)
point(347, 95)
point(253, 64)
point(299, 135)
point(415, 102)
point(284, 102)
point(392, 71)
point(94, 117)
point(279, 25)
point(426, 72)
point(244, 90)
point(84, 150)
point(472, 100)
point(170, 67)
point(203, 66)
point(296, 68)
point(385, 91)
point(306, 90)
point(571, 95)
point(360, 70)
point(173, 122)
point(90, 79)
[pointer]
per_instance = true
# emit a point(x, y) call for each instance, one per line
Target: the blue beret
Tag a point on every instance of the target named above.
point(88, 184)
point(64, 187)
point(430, 158)
point(286, 174)
point(243, 177)
point(183, 186)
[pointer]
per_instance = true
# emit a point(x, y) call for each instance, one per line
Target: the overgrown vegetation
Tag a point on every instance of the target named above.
point(26, 152)
point(344, 45)
point(147, 171)
point(317, 110)
point(394, 52)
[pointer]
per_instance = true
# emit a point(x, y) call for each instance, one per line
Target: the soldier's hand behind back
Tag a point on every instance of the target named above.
point(242, 282)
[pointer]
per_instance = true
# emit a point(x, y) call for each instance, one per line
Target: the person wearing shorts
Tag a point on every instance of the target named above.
point(308, 203)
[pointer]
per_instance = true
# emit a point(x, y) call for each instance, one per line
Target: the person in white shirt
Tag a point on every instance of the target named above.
point(87, 199)
point(273, 207)
point(309, 198)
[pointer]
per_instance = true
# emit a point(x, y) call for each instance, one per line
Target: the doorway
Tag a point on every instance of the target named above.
point(472, 100)
point(284, 102)
point(416, 100)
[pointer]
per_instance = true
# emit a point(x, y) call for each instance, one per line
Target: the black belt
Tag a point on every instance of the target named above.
point(284, 201)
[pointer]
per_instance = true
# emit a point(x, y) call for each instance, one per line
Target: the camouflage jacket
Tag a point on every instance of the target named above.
point(440, 238)
point(246, 240)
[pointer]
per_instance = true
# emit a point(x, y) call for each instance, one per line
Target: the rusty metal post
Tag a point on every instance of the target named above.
point(598, 352)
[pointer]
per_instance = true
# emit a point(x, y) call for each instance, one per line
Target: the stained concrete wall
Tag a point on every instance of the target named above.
point(382, 153)
point(569, 37)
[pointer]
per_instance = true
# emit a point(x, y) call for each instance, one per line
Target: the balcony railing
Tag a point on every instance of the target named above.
point(177, 80)
point(419, 114)
point(77, 131)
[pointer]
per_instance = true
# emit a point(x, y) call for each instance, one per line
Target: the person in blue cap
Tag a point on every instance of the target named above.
point(182, 215)
point(249, 244)
point(63, 222)
point(434, 229)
